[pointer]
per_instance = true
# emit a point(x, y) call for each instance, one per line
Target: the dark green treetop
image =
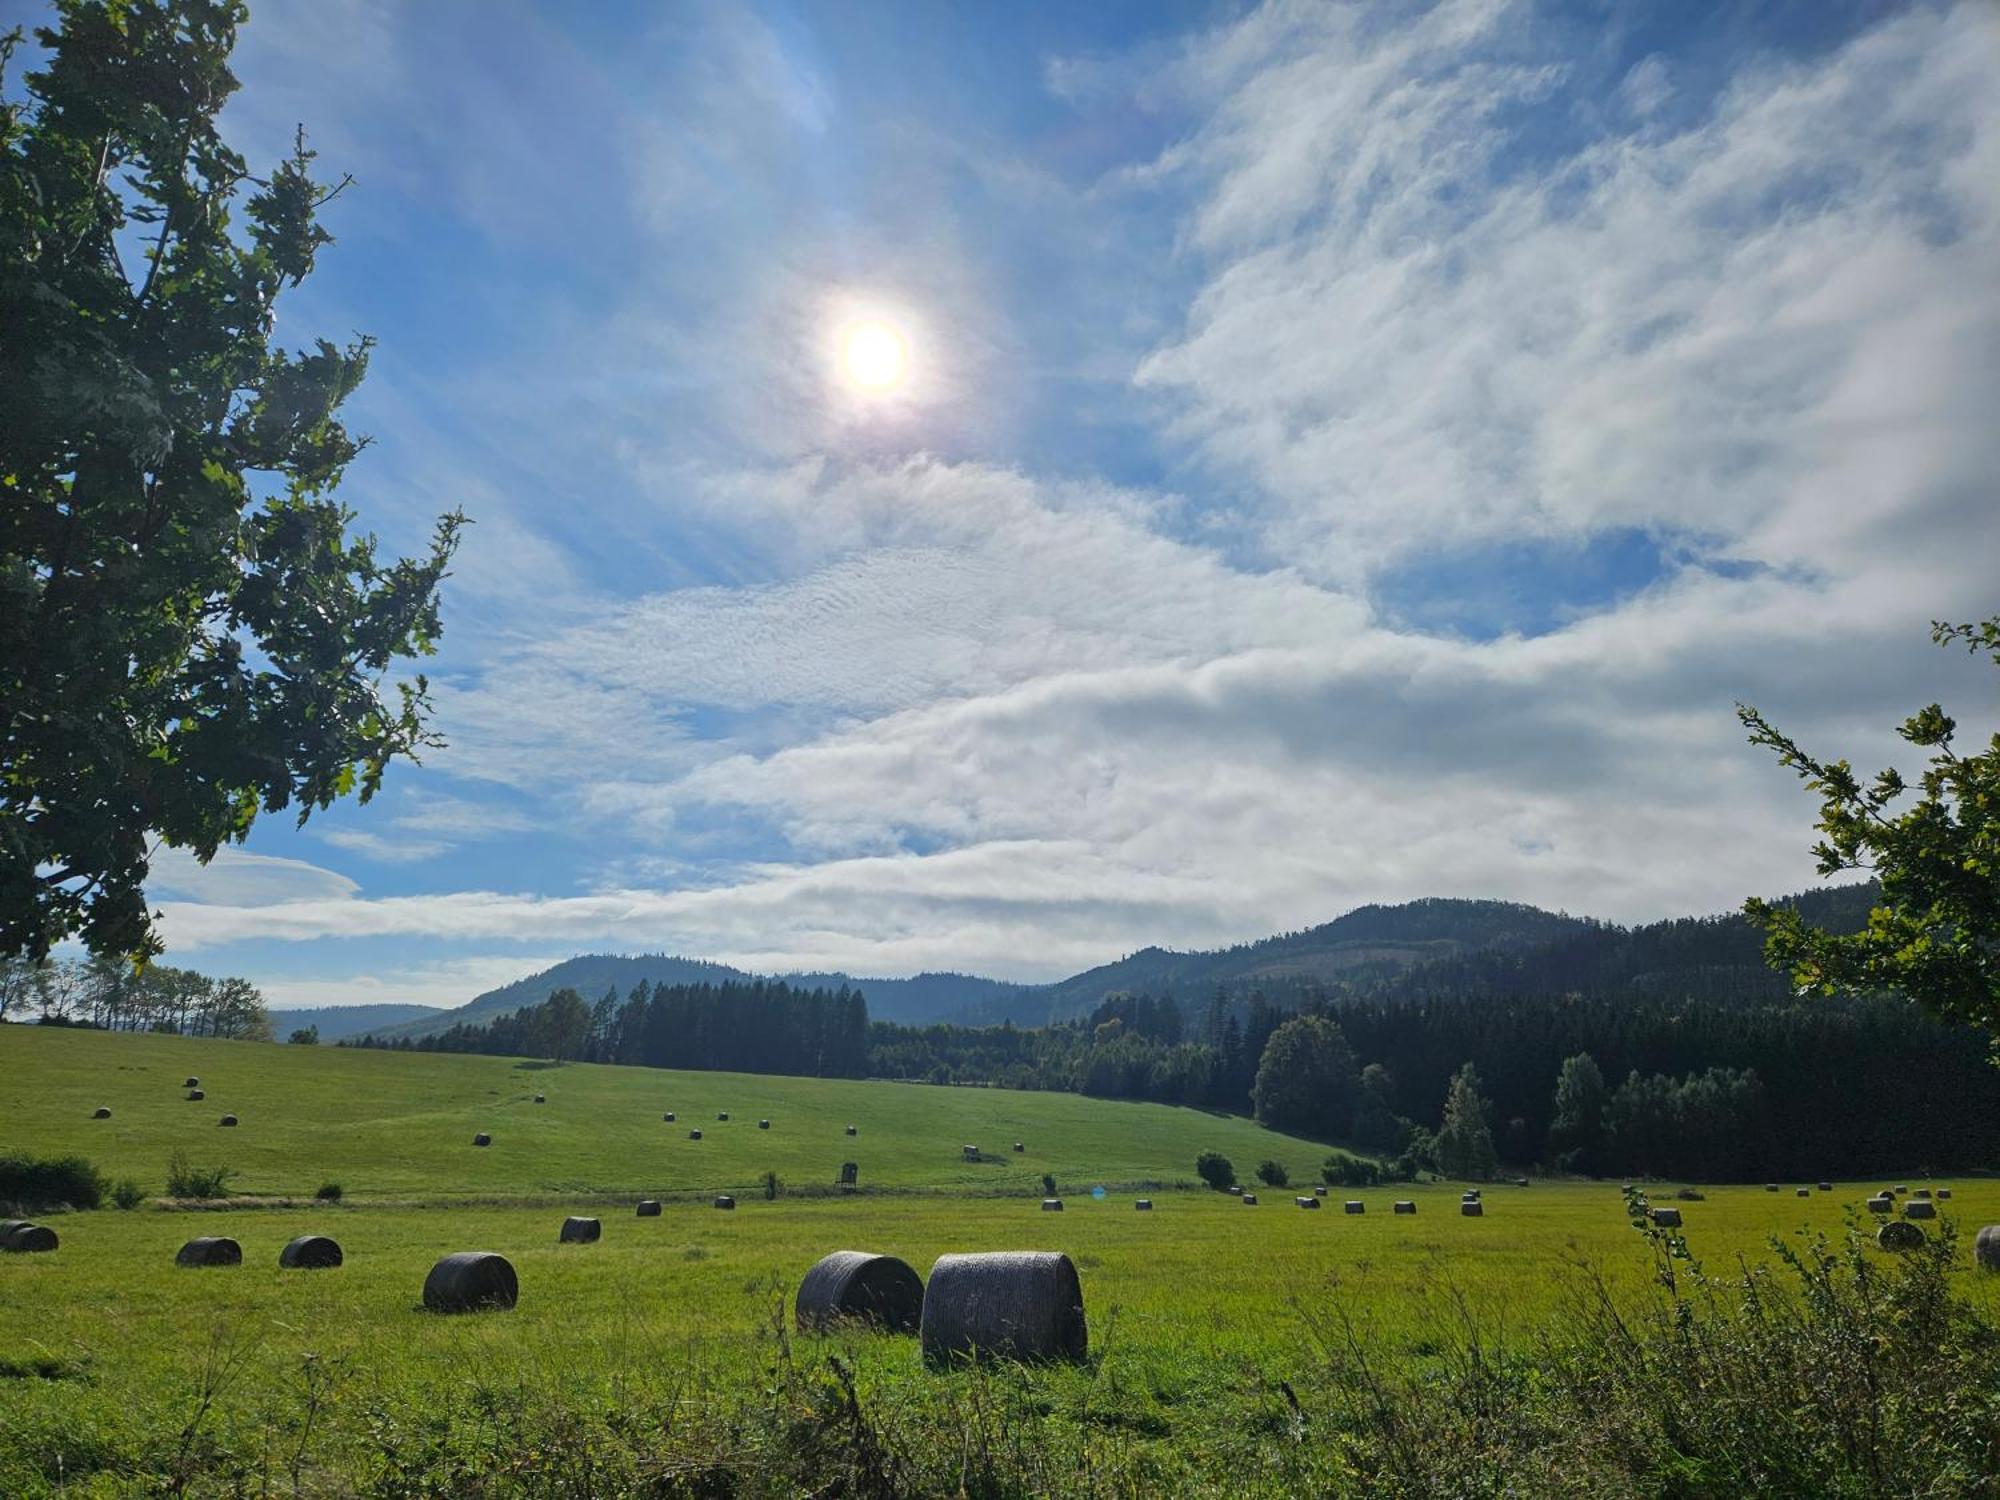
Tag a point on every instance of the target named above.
point(189, 632)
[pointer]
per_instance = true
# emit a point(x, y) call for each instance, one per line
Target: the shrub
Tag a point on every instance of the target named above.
point(1215, 1169)
point(1273, 1174)
point(770, 1180)
point(1342, 1170)
point(127, 1194)
point(185, 1180)
point(329, 1192)
point(34, 1184)
point(1048, 1184)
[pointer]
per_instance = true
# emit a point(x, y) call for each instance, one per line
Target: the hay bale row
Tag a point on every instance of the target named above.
point(210, 1250)
point(852, 1286)
point(580, 1231)
point(469, 1281)
point(1019, 1304)
point(26, 1237)
point(311, 1252)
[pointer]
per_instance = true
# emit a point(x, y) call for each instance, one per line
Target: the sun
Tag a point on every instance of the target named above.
point(874, 356)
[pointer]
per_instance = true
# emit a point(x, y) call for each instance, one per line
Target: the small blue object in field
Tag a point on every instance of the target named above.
point(1097, 1192)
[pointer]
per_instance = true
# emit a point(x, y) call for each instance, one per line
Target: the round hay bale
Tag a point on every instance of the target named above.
point(1020, 1146)
point(723, 1200)
point(971, 1153)
point(1802, 1193)
point(25, 1237)
point(763, 1124)
point(1770, 1187)
point(1144, 1205)
point(1986, 1248)
point(227, 1121)
point(1921, 1193)
point(482, 1139)
point(1943, 1194)
point(1473, 1210)
point(1307, 1202)
point(1920, 1208)
point(1520, 1182)
point(1403, 1206)
point(1900, 1188)
point(102, 1112)
point(649, 1208)
point(851, 1130)
point(1898, 1235)
point(852, 1286)
point(576, 1231)
point(210, 1250)
point(722, 1115)
point(695, 1134)
point(1826, 1187)
point(668, 1117)
point(471, 1281)
point(1319, 1192)
point(1667, 1218)
point(310, 1252)
point(195, 1094)
point(192, 1083)
point(541, 1098)
point(1250, 1200)
point(1010, 1304)
point(1353, 1206)
point(1052, 1205)
point(1881, 1204)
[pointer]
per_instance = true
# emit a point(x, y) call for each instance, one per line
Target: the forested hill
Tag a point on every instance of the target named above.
point(336, 1021)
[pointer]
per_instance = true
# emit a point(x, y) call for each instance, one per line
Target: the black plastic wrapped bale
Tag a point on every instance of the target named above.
point(1520, 1182)
point(1249, 1200)
point(1319, 1192)
point(1898, 1235)
point(649, 1208)
point(853, 1130)
point(723, 1200)
point(227, 1121)
point(1920, 1208)
point(1355, 1206)
point(849, 1173)
point(1882, 1203)
point(1403, 1206)
point(1943, 1194)
point(1901, 1188)
point(1921, 1193)
point(482, 1139)
point(1020, 1145)
point(1144, 1205)
point(763, 1124)
point(195, 1095)
point(1667, 1218)
point(971, 1153)
point(1770, 1187)
point(541, 1098)
point(470, 1281)
point(102, 1112)
point(695, 1134)
point(852, 1286)
point(1052, 1205)
point(1986, 1248)
point(210, 1250)
point(25, 1237)
point(310, 1252)
point(1802, 1193)
point(192, 1083)
point(1307, 1202)
point(1473, 1209)
point(722, 1115)
point(1009, 1304)
point(577, 1231)
point(1826, 1187)
point(668, 1117)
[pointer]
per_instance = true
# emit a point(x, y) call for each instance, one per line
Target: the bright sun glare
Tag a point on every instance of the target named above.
point(875, 356)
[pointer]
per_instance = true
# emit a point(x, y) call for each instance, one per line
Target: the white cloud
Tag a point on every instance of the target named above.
point(238, 878)
point(387, 850)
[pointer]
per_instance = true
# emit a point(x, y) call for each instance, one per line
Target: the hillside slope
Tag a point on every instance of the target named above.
point(389, 1125)
point(338, 1021)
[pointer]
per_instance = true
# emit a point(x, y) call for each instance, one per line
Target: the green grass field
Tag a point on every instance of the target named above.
point(655, 1358)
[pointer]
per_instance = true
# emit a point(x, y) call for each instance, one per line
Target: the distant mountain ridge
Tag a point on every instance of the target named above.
point(338, 1021)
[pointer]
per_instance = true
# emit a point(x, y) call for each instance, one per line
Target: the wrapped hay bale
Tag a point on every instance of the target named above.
point(482, 1139)
point(722, 1115)
point(1354, 1206)
point(1921, 1193)
point(1403, 1206)
point(310, 1252)
point(1144, 1205)
point(470, 1281)
point(971, 1153)
point(1249, 1200)
point(227, 1122)
point(192, 1083)
point(210, 1250)
point(1472, 1210)
point(668, 1117)
point(102, 1112)
point(853, 1286)
point(1319, 1192)
point(851, 1130)
point(25, 1237)
point(1943, 1194)
point(576, 1231)
point(541, 1098)
point(1900, 1189)
point(195, 1094)
point(1826, 1187)
point(1667, 1218)
point(1052, 1205)
point(723, 1200)
point(1520, 1182)
point(649, 1208)
point(1770, 1187)
point(695, 1134)
point(763, 1124)
point(1920, 1208)
point(1986, 1248)
point(1019, 1304)
point(1802, 1193)
point(1020, 1146)
point(1881, 1203)
point(1898, 1235)
point(1307, 1201)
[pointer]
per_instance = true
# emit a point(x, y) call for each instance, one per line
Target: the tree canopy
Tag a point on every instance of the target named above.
point(190, 633)
point(1935, 935)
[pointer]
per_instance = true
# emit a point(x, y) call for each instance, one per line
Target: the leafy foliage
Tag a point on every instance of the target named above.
point(190, 634)
point(1464, 1146)
point(1935, 936)
point(1273, 1174)
point(1308, 1080)
point(34, 1184)
point(186, 1180)
point(1215, 1169)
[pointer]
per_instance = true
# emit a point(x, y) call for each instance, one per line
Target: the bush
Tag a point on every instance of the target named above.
point(1342, 1170)
point(185, 1180)
point(1048, 1184)
point(36, 1184)
point(770, 1180)
point(1273, 1174)
point(1215, 1169)
point(329, 1192)
point(127, 1194)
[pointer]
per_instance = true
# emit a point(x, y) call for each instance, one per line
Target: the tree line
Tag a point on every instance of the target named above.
point(112, 995)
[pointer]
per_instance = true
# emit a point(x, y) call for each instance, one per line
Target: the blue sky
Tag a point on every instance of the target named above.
point(1349, 452)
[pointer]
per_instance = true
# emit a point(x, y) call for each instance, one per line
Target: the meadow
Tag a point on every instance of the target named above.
point(1225, 1340)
